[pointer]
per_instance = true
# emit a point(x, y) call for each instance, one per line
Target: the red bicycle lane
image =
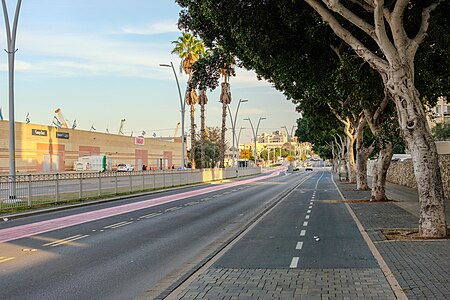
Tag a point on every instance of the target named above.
point(23, 231)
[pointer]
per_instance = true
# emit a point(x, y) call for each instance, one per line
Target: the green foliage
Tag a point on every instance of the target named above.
point(441, 132)
point(212, 147)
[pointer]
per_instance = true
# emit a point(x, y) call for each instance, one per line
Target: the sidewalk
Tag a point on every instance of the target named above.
point(422, 268)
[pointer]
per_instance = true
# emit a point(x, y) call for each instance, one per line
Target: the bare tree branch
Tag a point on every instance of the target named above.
point(361, 50)
point(380, 29)
point(336, 6)
point(420, 36)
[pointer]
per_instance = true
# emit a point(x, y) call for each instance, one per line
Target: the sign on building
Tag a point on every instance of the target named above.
point(39, 132)
point(245, 153)
point(139, 141)
point(62, 135)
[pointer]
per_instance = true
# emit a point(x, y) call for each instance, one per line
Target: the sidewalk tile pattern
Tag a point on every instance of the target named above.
point(289, 284)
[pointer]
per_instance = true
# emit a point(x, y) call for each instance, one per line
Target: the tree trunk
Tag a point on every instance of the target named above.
point(192, 137)
point(380, 171)
point(412, 120)
point(351, 164)
point(203, 136)
point(222, 140)
point(362, 154)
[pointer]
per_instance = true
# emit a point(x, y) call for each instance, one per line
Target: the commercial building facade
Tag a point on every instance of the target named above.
point(41, 148)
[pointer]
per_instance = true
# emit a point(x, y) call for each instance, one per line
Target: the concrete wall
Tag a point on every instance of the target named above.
point(42, 148)
point(402, 172)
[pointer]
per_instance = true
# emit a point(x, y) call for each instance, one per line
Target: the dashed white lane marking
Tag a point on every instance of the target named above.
point(150, 215)
point(173, 209)
point(294, 263)
point(310, 206)
point(299, 246)
point(307, 217)
point(305, 223)
point(303, 232)
point(120, 225)
point(191, 203)
point(114, 225)
point(308, 211)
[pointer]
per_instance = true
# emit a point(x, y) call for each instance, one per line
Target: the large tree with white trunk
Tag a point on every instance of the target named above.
point(385, 24)
point(386, 35)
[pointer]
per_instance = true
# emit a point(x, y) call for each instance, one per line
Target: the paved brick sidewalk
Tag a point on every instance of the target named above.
point(422, 268)
point(300, 284)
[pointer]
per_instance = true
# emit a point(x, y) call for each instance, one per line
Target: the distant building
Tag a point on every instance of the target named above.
point(41, 148)
point(440, 114)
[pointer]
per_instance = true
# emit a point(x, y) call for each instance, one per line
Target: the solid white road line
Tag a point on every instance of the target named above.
point(299, 246)
point(303, 232)
point(294, 263)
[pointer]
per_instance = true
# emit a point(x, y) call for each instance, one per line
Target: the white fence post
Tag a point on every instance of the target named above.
point(57, 187)
point(81, 185)
point(99, 184)
point(30, 200)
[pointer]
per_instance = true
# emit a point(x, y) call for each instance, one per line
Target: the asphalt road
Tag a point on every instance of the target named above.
point(120, 250)
point(310, 229)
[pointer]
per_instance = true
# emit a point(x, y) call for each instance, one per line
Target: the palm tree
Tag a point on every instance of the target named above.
point(189, 49)
point(226, 70)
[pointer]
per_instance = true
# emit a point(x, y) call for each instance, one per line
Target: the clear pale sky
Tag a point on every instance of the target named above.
point(98, 60)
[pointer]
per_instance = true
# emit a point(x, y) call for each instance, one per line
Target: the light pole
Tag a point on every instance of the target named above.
point(255, 134)
point(233, 125)
point(183, 110)
point(290, 142)
point(11, 44)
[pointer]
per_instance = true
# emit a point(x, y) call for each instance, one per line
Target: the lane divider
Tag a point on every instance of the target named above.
point(299, 246)
point(23, 231)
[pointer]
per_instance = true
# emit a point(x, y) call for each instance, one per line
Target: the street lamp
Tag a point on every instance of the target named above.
point(290, 142)
point(233, 126)
point(255, 134)
point(183, 110)
point(11, 44)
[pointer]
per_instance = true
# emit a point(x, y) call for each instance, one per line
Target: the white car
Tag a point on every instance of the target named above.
point(124, 168)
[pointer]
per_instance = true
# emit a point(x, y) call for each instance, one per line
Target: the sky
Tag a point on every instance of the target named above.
point(99, 62)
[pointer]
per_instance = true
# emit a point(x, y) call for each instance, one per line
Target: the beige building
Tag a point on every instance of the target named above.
point(440, 114)
point(41, 148)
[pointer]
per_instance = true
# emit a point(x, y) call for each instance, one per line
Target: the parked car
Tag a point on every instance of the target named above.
point(124, 168)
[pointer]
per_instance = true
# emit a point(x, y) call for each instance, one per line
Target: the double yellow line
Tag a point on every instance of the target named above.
point(65, 241)
point(5, 259)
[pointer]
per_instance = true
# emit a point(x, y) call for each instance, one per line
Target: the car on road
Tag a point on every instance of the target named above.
point(308, 167)
point(124, 168)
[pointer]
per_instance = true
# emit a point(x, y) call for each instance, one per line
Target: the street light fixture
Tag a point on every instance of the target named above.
point(255, 134)
point(183, 110)
point(233, 126)
point(290, 141)
point(11, 45)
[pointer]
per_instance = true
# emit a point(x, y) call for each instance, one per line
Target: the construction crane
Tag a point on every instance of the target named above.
point(122, 122)
point(61, 118)
point(176, 129)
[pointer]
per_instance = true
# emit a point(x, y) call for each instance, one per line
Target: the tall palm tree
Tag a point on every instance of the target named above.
point(226, 70)
point(203, 100)
point(189, 49)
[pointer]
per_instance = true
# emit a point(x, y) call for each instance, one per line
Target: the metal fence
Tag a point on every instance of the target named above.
point(37, 189)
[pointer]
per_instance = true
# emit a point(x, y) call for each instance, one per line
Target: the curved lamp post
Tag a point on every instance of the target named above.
point(233, 126)
point(11, 43)
point(183, 110)
point(255, 134)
